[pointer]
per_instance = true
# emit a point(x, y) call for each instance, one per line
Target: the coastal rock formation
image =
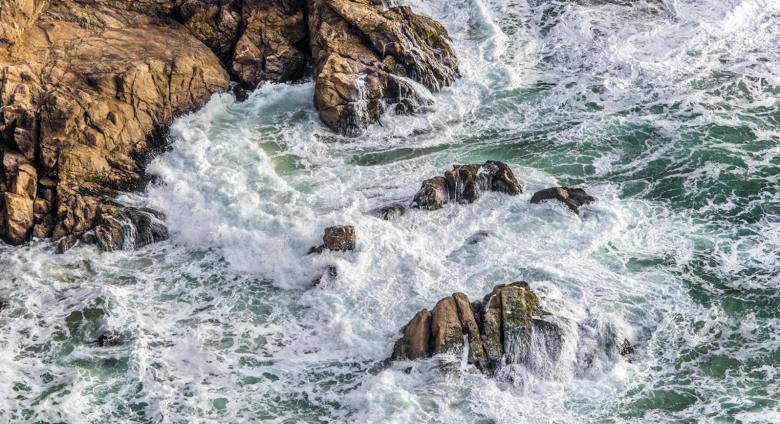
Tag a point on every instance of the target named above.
point(339, 238)
point(81, 96)
point(508, 326)
point(89, 87)
point(573, 198)
point(270, 47)
point(500, 327)
point(369, 58)
point(465, 183)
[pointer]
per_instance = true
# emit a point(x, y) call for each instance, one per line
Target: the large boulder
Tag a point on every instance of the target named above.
point(504, 327)
point(465, 184)
point(573, 198)
point(369, 58)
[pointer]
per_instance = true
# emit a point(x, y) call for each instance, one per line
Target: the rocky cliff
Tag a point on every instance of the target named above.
point(88, 87)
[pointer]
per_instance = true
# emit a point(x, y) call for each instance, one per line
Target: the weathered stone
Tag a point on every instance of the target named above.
point(573, 198)
point(81, 95)
point(446, 331)
point(268, 47)
point(469, 325)
point(66, 243)
point(126, 228)
point(16, 16)
point(626, 349)
point(216, 23)
point(339, 238)
point(361, 48)
point(416, 339)
point(17, 218)
point(465, 183)
point(433, 194)
point(506, 327)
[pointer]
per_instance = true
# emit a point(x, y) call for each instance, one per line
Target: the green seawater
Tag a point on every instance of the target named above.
point(667, 111)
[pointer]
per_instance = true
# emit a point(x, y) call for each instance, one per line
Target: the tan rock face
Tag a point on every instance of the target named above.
point(500, 329)
point(86, 84)
point(269, 47)
point(368, 58)
point(79, 105)
point(16, 16)
point(17, 217)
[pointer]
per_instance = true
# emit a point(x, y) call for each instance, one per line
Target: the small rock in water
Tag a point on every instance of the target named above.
point(3, 304)
point(626, 349)
point(108, 340)
point(465, 184)
point(339, 238)
point(389, 212)
point(573, 198)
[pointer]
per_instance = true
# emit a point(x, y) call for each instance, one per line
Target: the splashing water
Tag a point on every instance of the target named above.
point(666, 111)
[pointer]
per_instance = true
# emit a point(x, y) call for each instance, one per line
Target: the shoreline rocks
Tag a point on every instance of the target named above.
point(89, 87)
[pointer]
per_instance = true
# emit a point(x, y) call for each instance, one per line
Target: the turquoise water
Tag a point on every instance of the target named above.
point(666, 111)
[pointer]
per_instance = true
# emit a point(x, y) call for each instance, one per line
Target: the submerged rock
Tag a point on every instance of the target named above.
point(465, 184)
point(109, 339)
point(369, 57)
point(573, 198)
point(389, 212)
point(338, 238)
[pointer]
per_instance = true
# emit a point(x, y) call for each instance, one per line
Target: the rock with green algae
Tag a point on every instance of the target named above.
point(506, 327)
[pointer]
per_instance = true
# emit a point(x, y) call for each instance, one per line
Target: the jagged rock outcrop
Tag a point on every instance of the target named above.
point(88, 87)
point(465, 183)
point(573, 198)
point(498, 328)
point(270, 48)
point(508, 326)
point(369, 58)
point(81, 96)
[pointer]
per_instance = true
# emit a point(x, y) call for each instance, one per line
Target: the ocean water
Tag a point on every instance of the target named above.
point(668, 111)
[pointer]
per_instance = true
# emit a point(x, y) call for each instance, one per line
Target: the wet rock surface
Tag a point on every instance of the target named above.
point(389, 212)
point(88, 87)
point(465, 184)
point(508, 326)
point(339, 238)
point(369, 58)
point(510, 313)
point(573, 198)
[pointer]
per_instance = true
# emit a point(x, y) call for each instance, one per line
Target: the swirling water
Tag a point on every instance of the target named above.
point(666, 110)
